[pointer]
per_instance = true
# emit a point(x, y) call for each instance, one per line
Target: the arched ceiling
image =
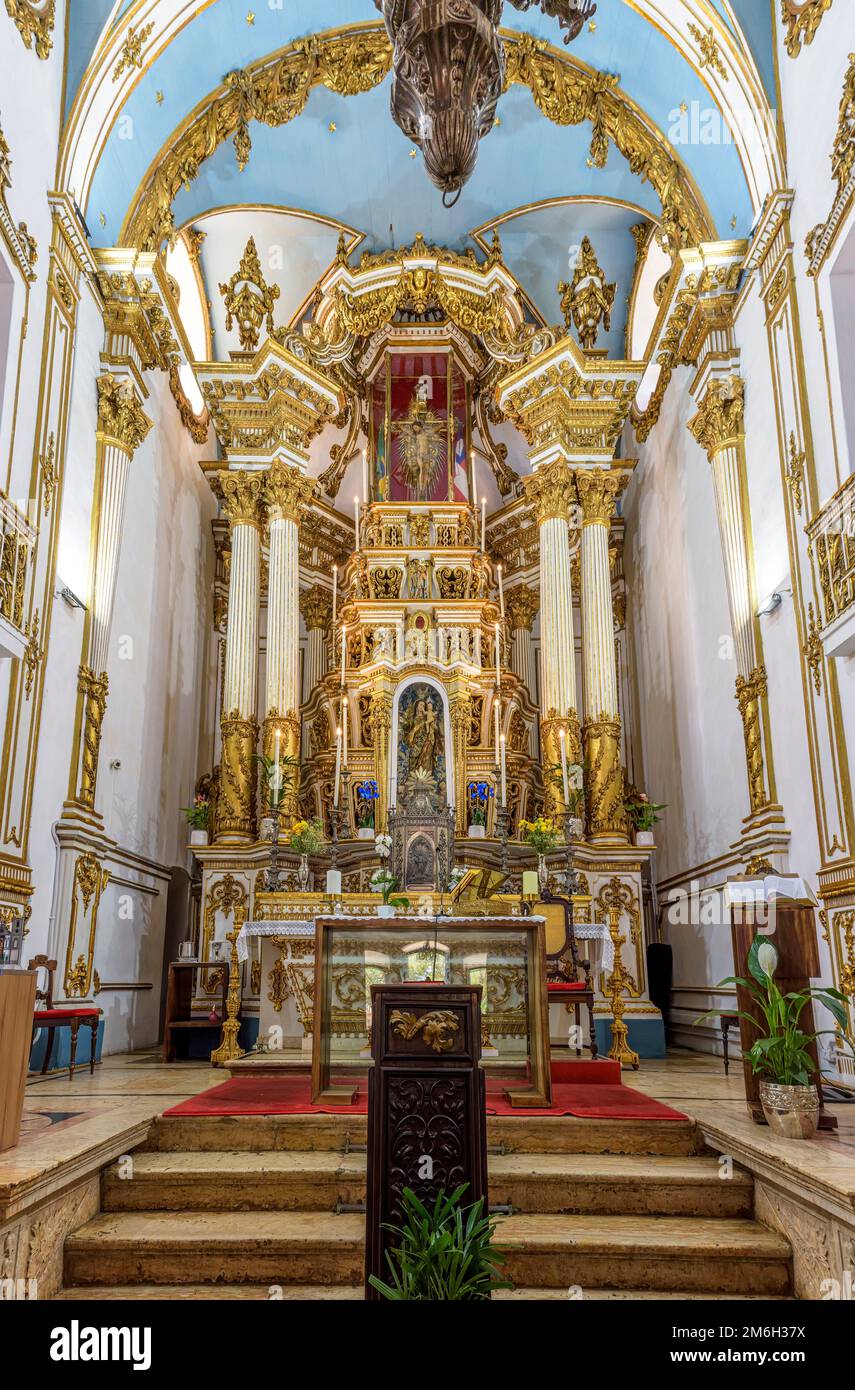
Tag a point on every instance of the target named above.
point(344, 164)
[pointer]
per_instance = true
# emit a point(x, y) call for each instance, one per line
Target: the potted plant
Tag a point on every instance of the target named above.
point(367, 793)
point(780, 1056)
point(198, 818)
point(383, 881)
point(306, 837)
point(280, 775)
point(643, 814)
point(442, 1253)
point(574, 801)
point(543, 835)
point(479, 794)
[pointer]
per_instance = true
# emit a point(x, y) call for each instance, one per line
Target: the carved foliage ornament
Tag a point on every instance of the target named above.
point(120, 415)
point(249, 299)
point(23, 246)
point(801, 19)
point(347, 64)
point(720, 420)
point(34, 20)
point(587, 299)
point(552, 491)
point(287, 491)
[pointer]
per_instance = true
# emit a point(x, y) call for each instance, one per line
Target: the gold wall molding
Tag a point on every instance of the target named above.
point(35, 23)
point(801, 19)
point(276, 91)
point(587, 299)
point(22, 246)
point(89, 882)
point(93, 690)
point(131, 53)
point(821, 239)
point(751, 694)
point(709, 51)
point(248, 298)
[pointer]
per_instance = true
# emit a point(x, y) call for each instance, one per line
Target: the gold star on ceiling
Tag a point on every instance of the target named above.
point(158, 96)
point(102, 219)
point(333, 127)
point(592, 26)
point(413, 154)
point(683, 108)
point(250, 18)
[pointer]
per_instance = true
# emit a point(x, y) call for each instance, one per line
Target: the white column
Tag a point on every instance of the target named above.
point(239, 726)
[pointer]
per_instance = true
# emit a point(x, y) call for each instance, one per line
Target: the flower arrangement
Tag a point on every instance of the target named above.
point(306, 836)
point(366, 795)
point(198, 815)
point(479, 799)
point(383, 881)
point(383, 845)
point(542, 834)
point(643, 813)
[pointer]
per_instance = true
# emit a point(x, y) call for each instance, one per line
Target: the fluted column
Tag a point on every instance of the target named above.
point(316, 608)
point(598, 492)
point(286, 493)
point(236, 803)
point(122, 426)
point(381, 728)
point(719, 429)
point(461, 717)
point(521, 605)
point(552, 491)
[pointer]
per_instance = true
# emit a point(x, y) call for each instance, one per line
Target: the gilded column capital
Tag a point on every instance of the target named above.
point(241, 493)
point(287, 491)
point(599, 489)
point(121, 418)
point(720, 420)
point(316, 607)
point(522, 605)
point(551, 490)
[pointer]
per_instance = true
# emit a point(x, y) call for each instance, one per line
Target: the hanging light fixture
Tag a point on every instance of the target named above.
point(448, 72)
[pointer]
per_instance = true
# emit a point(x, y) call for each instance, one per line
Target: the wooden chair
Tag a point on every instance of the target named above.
point(50, 1018)
point(568, 979)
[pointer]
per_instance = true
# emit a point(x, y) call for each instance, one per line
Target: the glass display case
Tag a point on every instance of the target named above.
point(505, 955)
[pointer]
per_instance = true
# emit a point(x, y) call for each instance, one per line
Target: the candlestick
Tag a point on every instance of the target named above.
point(501, 594)
point(344, 731)
point(498, 657)
point(337, 765)
point(563, 745)
point(334, 591)
point(356, 506)
point(504, 771)
point(343, 653)
point(484, 524)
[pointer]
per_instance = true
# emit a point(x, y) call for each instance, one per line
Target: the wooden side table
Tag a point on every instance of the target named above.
point(179, 1000)
point(17, 1001)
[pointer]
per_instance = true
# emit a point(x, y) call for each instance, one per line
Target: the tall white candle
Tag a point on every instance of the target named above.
point(344, 731)
point(496, 717)
point(337, 765)
point(365, 479)
point(563, 743)
point(498, 646)
point(277, 774)
point(356, 506)
point(504, 772)
point(501, 594)
point(334, 591)
point(484, 524)
point(343, 651)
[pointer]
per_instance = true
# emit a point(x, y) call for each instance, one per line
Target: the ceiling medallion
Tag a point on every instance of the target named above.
point(448, 73)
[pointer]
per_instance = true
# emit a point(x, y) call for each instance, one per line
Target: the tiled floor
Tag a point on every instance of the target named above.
point(64, 1119)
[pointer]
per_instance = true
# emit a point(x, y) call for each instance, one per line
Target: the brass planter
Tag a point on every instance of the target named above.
point(791, 1111)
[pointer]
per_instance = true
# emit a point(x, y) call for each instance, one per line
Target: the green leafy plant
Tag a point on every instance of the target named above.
point(306, 837)
point(643, 814)
point(280, 776)
point(198, 815)
point(575, 799)
point(384, 881)
point(443, 1252)
point(781, 1052)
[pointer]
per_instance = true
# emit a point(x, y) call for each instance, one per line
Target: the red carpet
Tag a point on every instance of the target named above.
point(291, 1095)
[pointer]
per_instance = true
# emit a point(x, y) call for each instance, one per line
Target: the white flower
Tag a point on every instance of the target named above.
point(767, 958)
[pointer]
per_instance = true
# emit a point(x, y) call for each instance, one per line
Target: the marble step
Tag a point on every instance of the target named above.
point(349, 1293)
point(316, 1181)
point(516, 1134)
point(290, 1248)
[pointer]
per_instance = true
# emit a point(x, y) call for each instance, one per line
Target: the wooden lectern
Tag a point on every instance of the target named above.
point(427, 1121)
point(794, 938)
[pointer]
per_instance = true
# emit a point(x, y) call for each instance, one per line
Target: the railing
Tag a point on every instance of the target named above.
point(832, 538)
point(16, 541)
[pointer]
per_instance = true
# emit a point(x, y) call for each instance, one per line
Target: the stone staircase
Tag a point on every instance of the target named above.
point(228, 1207)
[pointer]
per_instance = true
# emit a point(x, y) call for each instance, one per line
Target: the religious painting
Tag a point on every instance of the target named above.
point(419, 429)
point(421, 748)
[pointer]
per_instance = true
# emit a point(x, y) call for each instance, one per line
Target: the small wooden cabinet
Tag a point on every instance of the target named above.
point(17, 1002)
point(179, 1000)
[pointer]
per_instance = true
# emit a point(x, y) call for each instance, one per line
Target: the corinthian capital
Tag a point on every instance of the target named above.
point(316, 607)
point(599, 490)
point(241, 496)
point(522, 605)
point(551, 491)
point(121, 418)
point(287, 491)
point(720, 420)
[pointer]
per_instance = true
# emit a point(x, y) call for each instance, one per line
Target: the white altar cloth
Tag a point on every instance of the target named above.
point(604, 957)
point(295, 928)
point(292, 929)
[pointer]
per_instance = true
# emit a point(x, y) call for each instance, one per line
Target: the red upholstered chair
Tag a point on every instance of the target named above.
point(568, 979)
point(46, 1016)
